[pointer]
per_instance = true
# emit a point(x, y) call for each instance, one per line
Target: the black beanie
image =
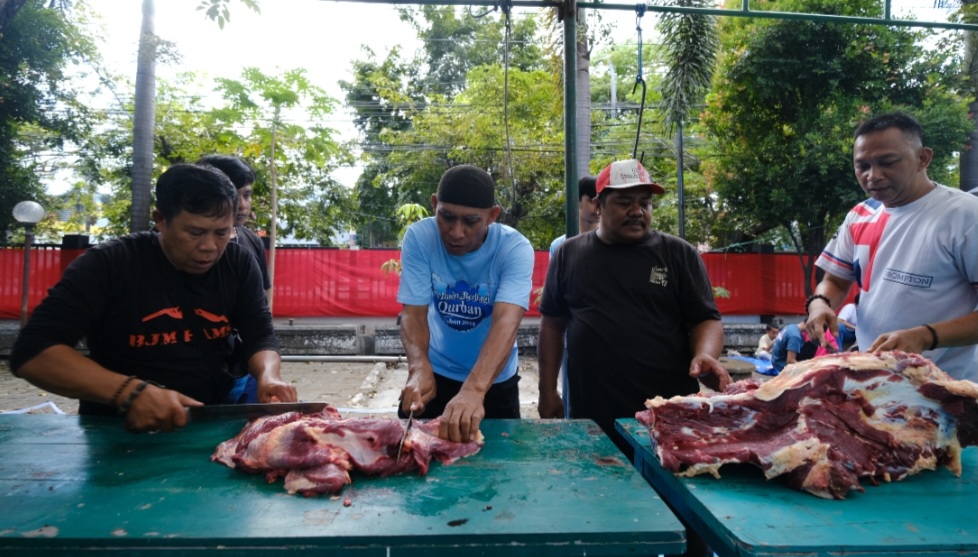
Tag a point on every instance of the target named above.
point(467, 185)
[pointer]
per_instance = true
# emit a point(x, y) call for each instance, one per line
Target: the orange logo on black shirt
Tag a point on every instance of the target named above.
point(184, 336)
point(173, 312)
point(210, 316)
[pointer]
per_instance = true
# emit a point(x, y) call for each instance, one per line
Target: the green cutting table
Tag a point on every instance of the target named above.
point(544, 488)
point(929, 514)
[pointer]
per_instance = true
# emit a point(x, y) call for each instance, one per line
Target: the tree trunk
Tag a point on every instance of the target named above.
point(8, 10)
point(143, 123)
point(969, 155)
point(273, 201)
point(583, 110)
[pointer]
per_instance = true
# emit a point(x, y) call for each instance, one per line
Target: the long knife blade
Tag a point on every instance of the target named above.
point(251, 411)
point(407, 428)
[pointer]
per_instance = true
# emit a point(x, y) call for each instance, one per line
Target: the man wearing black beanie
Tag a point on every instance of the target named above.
point(465, 284)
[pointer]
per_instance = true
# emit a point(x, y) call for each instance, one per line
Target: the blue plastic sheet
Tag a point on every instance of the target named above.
point(764, 367)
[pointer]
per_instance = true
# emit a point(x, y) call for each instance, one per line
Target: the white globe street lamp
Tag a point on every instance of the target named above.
point(27, 213)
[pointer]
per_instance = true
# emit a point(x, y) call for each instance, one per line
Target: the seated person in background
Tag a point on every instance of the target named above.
point(764, 344)
point(847, 324)
point(793, 345)
point(156, 309)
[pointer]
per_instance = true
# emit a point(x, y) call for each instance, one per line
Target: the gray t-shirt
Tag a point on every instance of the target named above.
point(914, 264)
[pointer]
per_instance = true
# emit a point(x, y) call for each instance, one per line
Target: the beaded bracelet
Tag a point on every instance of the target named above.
point(121, 388)
point(933, 333)
point(814, 297)
point(125, 406)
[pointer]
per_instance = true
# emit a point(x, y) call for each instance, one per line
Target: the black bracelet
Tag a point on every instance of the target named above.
point(814, 297)
point(121, 388)
point(127, 404)
point(933, 333)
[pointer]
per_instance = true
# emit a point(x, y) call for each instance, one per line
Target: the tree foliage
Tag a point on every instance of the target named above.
point(382, 97)
point(412, 130)
point(421, 116)
point(39, 111)
point(312, 205)
point(784, 107)
point(690, 43)
point(454, 42)
point(187, 127)
point(220, 11)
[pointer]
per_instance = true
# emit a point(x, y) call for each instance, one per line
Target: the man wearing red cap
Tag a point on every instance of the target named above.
point(638, 311)
point(637, 307)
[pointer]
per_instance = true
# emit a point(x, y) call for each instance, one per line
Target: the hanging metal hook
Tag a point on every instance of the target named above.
point(506, 6)
point(639, 12)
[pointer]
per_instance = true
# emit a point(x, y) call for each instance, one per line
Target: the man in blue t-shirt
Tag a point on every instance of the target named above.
point(787, 346)
point(465, 284)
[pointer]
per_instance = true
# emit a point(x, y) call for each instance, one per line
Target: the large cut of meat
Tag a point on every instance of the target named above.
point(823, 423)
point(316, 453)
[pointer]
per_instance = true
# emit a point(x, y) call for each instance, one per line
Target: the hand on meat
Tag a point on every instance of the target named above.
point(462, 416)
point(709, 371)
point(915, 340)
point(266, 366)
point(276, 390)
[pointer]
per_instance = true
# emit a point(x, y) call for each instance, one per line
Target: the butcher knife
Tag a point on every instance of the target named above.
point(407, 428)
point(251, 411)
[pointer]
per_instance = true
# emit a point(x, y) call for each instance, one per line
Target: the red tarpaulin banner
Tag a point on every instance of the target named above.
point(329, 282)
point(337, 282)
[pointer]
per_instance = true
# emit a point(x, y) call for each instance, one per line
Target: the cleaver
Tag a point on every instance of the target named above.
point(251, 411)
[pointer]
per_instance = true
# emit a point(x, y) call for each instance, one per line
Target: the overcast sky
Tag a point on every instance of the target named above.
point(323, 37)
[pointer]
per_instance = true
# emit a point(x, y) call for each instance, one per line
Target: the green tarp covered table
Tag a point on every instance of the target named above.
point(72, 485)
point(929, 514)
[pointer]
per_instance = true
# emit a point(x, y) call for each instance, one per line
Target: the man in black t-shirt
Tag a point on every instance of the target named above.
point(156, 309)
point(637, 307)
point(638, 311)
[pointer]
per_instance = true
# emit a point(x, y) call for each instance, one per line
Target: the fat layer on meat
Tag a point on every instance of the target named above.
point(823, 423)
point(316, 453)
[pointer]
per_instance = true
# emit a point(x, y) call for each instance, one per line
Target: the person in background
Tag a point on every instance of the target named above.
point(243, 178)
point(245, 389)
point(787, 346)
point(764, 344)
point(587, 210)
point(587, 218)
point(847, 324)
point(156, 309)
point(912, 248)
point(793, 344)
point(636, 305)
point(638, 312)
point(465, 284)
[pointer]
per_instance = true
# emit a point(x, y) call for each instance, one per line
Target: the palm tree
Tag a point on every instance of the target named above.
point(967, 12)
point(690, 43)
point(143, 121)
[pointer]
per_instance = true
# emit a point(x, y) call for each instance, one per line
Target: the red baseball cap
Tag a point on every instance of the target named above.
point(626, 174)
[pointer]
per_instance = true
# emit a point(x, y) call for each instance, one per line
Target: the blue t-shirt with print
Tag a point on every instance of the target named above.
point(790, 338)
point(460, 291)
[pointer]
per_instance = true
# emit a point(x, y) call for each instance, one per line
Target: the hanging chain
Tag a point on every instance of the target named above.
point(639, 12)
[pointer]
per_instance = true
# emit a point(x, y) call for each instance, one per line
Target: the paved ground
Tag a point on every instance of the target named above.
point(357, 388)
